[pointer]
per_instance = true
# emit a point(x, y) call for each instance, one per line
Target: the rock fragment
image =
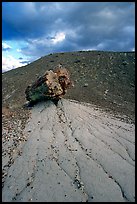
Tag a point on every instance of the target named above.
point(52, 85)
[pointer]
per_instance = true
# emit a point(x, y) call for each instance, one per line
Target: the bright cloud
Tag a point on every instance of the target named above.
point(5, 46)
point(58, 37)
point(18, 50)
point(10, 62)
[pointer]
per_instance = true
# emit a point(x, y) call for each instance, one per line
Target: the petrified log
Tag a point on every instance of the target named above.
point(52, 85)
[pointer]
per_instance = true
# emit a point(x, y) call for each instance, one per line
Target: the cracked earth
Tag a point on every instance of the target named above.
point(73, 153)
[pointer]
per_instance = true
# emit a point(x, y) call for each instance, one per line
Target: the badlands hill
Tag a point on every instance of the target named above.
point(106, 79)
point(83, 149)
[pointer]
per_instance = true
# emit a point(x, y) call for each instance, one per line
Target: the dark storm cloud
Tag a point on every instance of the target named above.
point(87, 25)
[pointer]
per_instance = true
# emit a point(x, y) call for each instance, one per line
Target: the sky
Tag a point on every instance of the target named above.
point(31, 30)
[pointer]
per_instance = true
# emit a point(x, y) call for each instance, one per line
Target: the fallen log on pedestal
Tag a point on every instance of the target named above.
point(52, 85)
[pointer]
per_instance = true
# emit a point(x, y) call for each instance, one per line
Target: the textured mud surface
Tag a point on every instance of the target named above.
point(72, 152)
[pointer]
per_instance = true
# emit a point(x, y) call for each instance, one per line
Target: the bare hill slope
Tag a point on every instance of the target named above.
point(83, 149)
point(106, 79)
